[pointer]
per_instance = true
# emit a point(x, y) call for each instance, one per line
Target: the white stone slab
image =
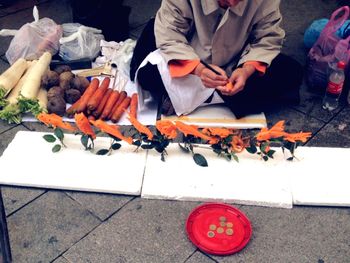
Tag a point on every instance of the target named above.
point(321, 177)
point(218, 115)
point(29, 161)
point(251, 181)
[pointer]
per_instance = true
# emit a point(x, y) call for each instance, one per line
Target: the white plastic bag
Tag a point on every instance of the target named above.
point(80, 42)
point(33, 39)
point(118, 53)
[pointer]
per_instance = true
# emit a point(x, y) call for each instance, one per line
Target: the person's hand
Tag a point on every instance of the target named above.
point(209, 78)
point(238, 80)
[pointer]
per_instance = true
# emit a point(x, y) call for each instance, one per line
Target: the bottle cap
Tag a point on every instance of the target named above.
point(341, 65)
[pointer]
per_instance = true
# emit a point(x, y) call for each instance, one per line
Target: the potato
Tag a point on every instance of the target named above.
point(62, 68)
point(56, 105)
point(50, 79)
point(80, 83)
point(66, 79)
point(55, 91)
point(72, 95)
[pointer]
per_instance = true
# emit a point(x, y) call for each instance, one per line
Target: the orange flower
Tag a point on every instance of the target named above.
point(300, 136)
point(220, 132)
point(55, 121)
point(167, 128)
point(111, 130)
point(276, 131)
point(191, 130)
point(84, 125)
point(141, 128)
point(237, 144)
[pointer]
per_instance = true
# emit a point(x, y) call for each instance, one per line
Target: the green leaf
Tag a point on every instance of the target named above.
point(116, 146)
point(235, 157)
point(200, 160)
point(252, 149)
point(56, 148)
point(270, 153)
point(137, 143)
point(290, 159)
point(102, 152)
point(147, 146)
point(49, 138)
point(184, 149)
point(217, 151)
point(264, 146)
point(114, 138)
point(59, 134)
point(162, 157)
point(85, 140)
point(265, 158)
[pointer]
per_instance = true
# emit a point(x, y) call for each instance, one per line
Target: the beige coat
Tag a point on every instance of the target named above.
point(192, 29)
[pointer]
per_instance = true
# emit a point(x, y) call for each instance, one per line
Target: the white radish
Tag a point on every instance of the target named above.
point(13, 96)
point(42, 98)
point(31, 86)
point(11, 76)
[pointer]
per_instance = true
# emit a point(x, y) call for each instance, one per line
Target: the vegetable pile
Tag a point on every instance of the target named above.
point(20, 88)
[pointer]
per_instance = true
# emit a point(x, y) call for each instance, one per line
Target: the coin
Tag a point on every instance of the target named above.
point(212, 227)
point(223, 224)
point(211, 234)
point(220, 230)
point(229, 231)
point(222, 219)
point(229, 224)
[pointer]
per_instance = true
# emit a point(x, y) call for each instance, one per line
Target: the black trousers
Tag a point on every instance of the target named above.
point(279, 86)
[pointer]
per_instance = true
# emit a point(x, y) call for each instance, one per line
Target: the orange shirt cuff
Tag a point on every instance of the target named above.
point(181, 68)
point(259, 66)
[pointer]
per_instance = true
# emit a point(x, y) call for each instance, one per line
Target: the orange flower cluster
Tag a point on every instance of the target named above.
point(167, 128)
point(55, 121)
point(277, 131)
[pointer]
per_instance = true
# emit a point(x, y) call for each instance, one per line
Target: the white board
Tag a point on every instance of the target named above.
point(251, 181)
point(321, 176)
point(218, 115)
point(29, 161)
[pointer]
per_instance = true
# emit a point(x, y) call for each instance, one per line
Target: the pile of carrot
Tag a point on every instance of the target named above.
point(101, 102)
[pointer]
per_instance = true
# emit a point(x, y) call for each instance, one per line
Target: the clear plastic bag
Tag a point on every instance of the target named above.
point(79, 42)
point(33, 39)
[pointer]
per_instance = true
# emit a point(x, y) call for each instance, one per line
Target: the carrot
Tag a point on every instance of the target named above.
point(96, 98)
point(72, 109)
point(55, 121)
point(122, 96)
point(120, 110)
point(111, 130)
point(102, 104)
point(84, 99)
point(133, 105)
point(84, 125)
point(141, 128)
point(91, 118)
point(109, 105)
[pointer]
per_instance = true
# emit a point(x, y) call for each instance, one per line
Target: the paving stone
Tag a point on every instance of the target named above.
point(3, 65)
point(4, 126)
point(47, 227)
point(336, 133)
point(311, 105)
point(36, 126)
point(15, 197)
point(141, 11)
point(199, 257)
point(295, 121)
point(143, 231)
point(295, 26)
point(61, 260)
point(300, 234)
point(101, 205)
point(7, 135)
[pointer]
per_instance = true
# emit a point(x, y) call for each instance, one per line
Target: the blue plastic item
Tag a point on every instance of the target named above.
point(313, 31)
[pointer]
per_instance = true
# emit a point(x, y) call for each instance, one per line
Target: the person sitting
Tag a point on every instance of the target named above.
point(240, 39)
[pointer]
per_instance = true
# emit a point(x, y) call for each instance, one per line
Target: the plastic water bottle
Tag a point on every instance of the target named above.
point(334, 87)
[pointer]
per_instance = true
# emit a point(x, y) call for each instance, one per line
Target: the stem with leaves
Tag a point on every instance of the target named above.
point(58, 135)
